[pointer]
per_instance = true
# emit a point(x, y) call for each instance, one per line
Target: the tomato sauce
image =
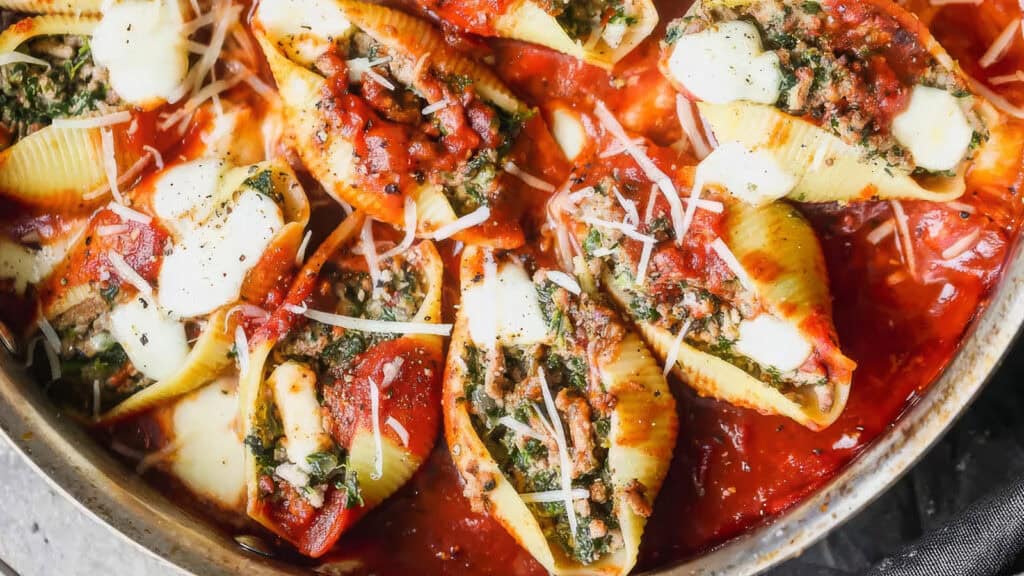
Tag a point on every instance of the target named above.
point(733, 469)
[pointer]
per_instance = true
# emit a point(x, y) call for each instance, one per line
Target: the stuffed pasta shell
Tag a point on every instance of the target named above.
point(341, 393)
point(556, 415)
point(53, 6)
point(72, 87)
point(600, 32)
point(847, 100)
point(732, 296)
point(392, 121)
point(150, 302)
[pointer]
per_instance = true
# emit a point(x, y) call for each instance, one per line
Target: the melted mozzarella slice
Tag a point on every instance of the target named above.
point(155, 343)
point(187, 190)
point(210, 457)
point(726, 63)
point(568, 131)
point(144, 48)
point(755, 177)
point(306, 27)
point(294, 389)
point(511, 305)
point(26, 266)
point(934, 129)
point(207, 266)
point(771, 341)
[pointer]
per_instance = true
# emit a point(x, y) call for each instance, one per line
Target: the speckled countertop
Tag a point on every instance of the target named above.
point(42, 533)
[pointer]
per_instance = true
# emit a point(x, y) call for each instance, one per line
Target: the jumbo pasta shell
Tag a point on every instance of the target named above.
point(783, 260)
point(399, 457)
point(279, 257)
point(641, 441)
point(208, 358)
point(61, 169)
point(24, 30)
point(826, 168)
point(53, 6)
point(418, 38)
point(527, 21)
point(330, 157)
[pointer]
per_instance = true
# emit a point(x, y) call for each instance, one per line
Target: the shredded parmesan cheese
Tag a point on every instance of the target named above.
point(16, 57)
point(110, 163)
point(390, 371)
point(632, 216)
point(961, 207)
point(619, 148)
point(1017, 76)
point(378, 448)
point(300, 254)
point(400, 430)
point(906, 242)
point(376, 77)
point(581, 194)
point(688, 120)
point(51, 357)
point(563, 452)
point(554, 496)
point(127, 213)
point(648, 166)
point(158, 158)
point(474, 218)
point(1001, 44)
point(884, 230)
point(730, 260)
point(673, 352)
point(519, 428)
point(410, 230)
point(369, 247)
point(119, 117)
point(435, 107)
point(129, 275)
point(996, 100)
point(380, 326)
point(111, 229)
point(645, 260)
point(629, 231)
point(962, 245)
point(250, 310)
point(49, 333)
point(241, 350)
point(564, 280)
point(530, 179)
point(97, 398)
point(651, 201)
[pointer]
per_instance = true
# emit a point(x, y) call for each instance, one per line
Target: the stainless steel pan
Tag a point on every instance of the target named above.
point(87, 474)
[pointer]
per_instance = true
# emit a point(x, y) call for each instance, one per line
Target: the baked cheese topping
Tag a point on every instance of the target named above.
point(934, 129)
point(144, 47)
point(727, 63)
point(155, 343)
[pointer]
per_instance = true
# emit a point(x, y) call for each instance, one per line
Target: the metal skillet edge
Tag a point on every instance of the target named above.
point(89, 476)
point(889, 457)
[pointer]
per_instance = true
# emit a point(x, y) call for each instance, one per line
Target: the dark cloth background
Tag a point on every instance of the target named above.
point(960, 511)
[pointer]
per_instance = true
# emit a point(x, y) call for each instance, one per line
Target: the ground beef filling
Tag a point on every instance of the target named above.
point(505, 384)
point(31, 96)
point(846, 66)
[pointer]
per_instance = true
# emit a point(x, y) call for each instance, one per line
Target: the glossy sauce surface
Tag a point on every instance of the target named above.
point(733, 468)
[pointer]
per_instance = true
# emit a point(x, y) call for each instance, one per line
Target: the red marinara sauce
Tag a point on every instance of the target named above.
point(733, 468)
